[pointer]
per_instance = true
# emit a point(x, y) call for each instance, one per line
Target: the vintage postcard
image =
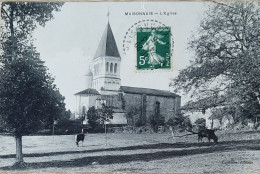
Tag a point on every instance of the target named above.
point(133, 87)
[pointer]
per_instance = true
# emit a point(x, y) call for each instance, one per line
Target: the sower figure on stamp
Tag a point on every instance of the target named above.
point(150, 46)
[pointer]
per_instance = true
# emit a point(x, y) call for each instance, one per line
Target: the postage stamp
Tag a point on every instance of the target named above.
point(153, 48)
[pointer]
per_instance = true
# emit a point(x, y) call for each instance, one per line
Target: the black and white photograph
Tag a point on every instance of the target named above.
point(130, 87)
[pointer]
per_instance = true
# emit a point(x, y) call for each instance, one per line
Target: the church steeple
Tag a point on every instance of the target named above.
point(107, 45)
point(106, 63)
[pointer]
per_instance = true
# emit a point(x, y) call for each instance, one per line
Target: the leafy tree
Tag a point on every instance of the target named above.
point(19, 21)
point(66, 115)
point(157, 121)
point(29, 99)
point(92, 118)
point(105, 113)
point(133, 111)
point(200, 123)
point(179, 123)
point(225, 72)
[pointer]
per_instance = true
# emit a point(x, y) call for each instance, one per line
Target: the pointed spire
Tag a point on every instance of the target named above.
point(108, 15)
point(107, 45)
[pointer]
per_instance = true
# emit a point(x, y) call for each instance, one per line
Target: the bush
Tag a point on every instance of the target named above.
point(180, 123)
point(139, 123)
point(157, 122)
point(144, 129)
point(200, 123)
point(68, 127)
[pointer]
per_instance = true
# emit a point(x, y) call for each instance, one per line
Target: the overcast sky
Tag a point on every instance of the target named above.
point(68, 43)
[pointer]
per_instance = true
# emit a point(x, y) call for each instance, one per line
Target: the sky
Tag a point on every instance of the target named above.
point(68, 43)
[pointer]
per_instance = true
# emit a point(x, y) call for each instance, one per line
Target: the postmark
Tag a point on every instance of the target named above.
point(130, 35)
point(153, 48)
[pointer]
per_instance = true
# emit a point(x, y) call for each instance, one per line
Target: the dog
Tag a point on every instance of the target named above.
point(210, 134)
point(78, 138)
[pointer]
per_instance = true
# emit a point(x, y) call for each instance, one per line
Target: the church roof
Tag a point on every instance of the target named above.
point(147, 91)
point(107, 45)
point(88, 91)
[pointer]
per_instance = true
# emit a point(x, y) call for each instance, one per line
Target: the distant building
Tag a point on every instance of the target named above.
point(104, 86)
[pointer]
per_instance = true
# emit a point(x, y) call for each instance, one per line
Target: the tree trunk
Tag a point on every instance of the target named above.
point(12, 33)
point(19, 152)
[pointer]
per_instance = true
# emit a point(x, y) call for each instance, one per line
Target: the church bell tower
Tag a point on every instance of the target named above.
point(106, 63)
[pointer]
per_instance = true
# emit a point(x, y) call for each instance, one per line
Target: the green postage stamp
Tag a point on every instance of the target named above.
point(153, 46)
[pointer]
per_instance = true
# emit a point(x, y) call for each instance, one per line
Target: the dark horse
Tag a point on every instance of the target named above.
point(210, 134)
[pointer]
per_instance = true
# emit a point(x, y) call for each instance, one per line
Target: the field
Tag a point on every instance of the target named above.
point(236, 152)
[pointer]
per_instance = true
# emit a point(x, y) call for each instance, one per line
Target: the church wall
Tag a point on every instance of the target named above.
point(168, 105)
point(177, 104)
point(132, 101)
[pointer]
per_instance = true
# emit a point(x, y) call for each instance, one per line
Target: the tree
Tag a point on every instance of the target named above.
point(29, 99)
point(225, 71)
point(105, 113)
point(19, 21)
point(133, 113)
point(179, 123)
point(66, 115)
point(200, 123)
point(92, 118)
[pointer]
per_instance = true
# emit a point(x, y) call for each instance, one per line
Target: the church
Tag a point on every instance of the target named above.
point(103, 85)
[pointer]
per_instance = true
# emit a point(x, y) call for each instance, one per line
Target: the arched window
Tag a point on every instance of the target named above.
point(111, 67)
point(115, 68)
point(107, 65)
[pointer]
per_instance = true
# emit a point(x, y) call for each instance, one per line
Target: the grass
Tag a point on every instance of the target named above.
point(236, 152)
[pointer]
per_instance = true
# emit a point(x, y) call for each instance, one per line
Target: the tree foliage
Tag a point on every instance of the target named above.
point(19, 20)
point(200, 123)
point(92, 118)
point(180, 123)
point(133, 113)
point(29, 99)
point(105, 113)
point(225, 70)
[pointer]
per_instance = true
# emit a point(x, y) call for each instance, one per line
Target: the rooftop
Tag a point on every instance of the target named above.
point(88, 91)
point(147, 91)
point(107, 45)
